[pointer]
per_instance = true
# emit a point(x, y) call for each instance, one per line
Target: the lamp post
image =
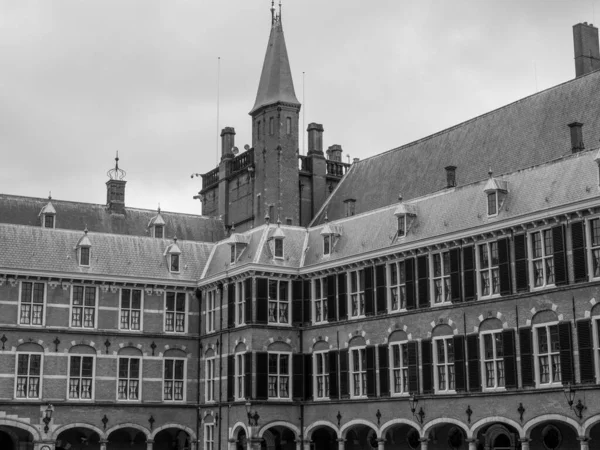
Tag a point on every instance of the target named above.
point(412, 402)
point(47, 418)
point(570, 396)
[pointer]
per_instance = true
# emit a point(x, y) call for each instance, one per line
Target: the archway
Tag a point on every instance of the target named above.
point(497, 436)
point(447, 434)
point(172, 439)
point(401, 436)
point(360, 436)
point(13, 438)
point(78, 437)
point(241, 440)
point(126, 438)
point(553, 435)
point(278, 437)
point(323, 438)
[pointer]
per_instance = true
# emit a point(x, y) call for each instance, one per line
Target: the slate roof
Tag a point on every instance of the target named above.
point(529, 132)
point(97, 218)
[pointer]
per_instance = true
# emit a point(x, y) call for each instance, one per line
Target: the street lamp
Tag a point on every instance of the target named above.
point(412, 402)
point(252, 415)
point(570, 396)
point(47, 418)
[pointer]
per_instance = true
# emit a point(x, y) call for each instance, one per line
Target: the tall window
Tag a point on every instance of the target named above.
point(81, 377)
point(159, 231)
point(32, 303)
point(84, 256)
point(288, 125)
point(321, 365)
point(493, 359)
point(548, 354)
point(29, 371)
point(327, 241)
point(239, 303)
point(209, 436)
point(279, 375)
point(239, 375)
point(492, 203)
point(441, 277)
point(131, 309)
point(542, 258)
point(399, 369)
point(211, 310)
point(278, 301)
point(174, 380)
point(174, 262)
point(48, 220)
point(278, 247)
point(489, 272)
point(358, 363)
point(444, 361)
point(402, 225)
point(595, 231)
point(83, 308)
point(397, 286)
point(129, 379)
point(210, 379)
point(175, 312)
point(320, 299)
point(357, 292)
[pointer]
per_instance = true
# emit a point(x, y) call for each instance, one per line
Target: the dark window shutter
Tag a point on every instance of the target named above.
point(526, 357)
point(231, 305)
point(413, 367)
point(565, 338)
point(298, 376)
point(308, 376)
point(331, 306)
point(586, 351)
point(579, 257)
point(381, 284)
point(333, 374)
point(411, 285)
point(423, 281)
point(262, 375)
point(384, 371)
point(231, 378)
point(473, 360)
point(561, 274)
point(455, 281)
point(248, 375)
point(344, 375)
point(248, 300)
point(262, 300)
point(307, 295)
point(459, 363)
point(371, 387)
point(297, 302)
point(470, 280)
point(342, 297)
point(510, 363)
point(504, 266)
point(521, 263)
point(427, 363)
point(369, 297)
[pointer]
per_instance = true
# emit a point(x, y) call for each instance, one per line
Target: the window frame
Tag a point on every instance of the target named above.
point(81, 377)
point(130, 309)
point(327, 244)
point(493, 195)
point(446, 290)
point(240, 304)
point(155, 229)
point(129, 378)
point(211, 310)
point(40, 376)
point(359, 293)
point(590, 248)
point(531, 260)
point(322, 281)
point(174, 361)
point(362, 371)
point(495, 360)
point(279, 375)
point(400, 275)
point(81, 253)
point(239, 375)
point(402, 368)
point(287, 302)
point(549, 353)
point(45, 219)
point(401, 225)
point(175, 313)
point(32, 303)
point(450, 373)
point(278, 241)
point(209, 437)
point(83, 306)
point(175, 257)
point(596, 345)
point(209, 378)
point(490, 269)
point(323, 355)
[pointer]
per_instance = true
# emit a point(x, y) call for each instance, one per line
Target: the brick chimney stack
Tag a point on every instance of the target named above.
point(315, 139)
point(227, 142)
point(334, 153)
point(587, 50)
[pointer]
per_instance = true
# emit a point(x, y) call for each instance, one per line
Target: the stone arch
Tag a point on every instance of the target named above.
point(357, 341)
point(491, 323)
point(544, 315)
point(62, 428)
point(397, 336)
point(593, 310)
point(390, 423)
point(445, 420)
point(82, 349)
point(22, 425)
point(531, 424)
point(279, 346)
point(589, 424)
point(188, 430)
point(443, 327)
point(234, 430)
point(33, 347)
point(175, 353)
point(129, 425)
point(279, 423)
point(350, 424)
point(320, 424)
point(320, 346)
point(495, 419)
point(397, 327)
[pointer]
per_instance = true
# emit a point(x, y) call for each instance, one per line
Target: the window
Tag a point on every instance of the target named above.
point(493, 359)
point(278, 247)
point(358, 364)
point(320, 299)
point(175, 312)
point(350, 207)
point(174, 380)
point(595, 232)
point(492, 203)
point(542, 258)
point(278, 301)
point(441, 277)
point(83, 308)
point(81, 377)
point(357, 292)
point(48, 221)
point(29, 371)
point(548, 355)
point(131, 309)
point(32, 303)
point(288, 125)
point(321, 365)
point(399, 368)
point(402, 225)
point(239, 375)
point(128, 387)
point(209, 436)
point(233, 254)
point(327, 241)
point(211, 310)
point(489, 271)
point(239, 303)
point(84, 256)
point(397, 286)
point(174, 263)
point(279, 375)
point(210, 379)
point(159, 231)
point(444, 362)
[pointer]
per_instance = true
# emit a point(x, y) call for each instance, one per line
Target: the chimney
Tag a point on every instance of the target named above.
point(450, 176)
point(587, 50)
point(334, 153)
point(576, 137)
point(227, 142)
point(315, 139)
point(115, 189)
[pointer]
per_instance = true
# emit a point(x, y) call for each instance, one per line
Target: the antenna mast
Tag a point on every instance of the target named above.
point(218, 99)
point(303, 114)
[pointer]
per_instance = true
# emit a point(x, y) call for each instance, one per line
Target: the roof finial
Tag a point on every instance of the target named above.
point(326, 218)
point(159, 207)
point(175, 239)
point(490, 172)
point(49, 195)
point(85, 230)
point(272, 12)
point(116, 173)
point(279, 12)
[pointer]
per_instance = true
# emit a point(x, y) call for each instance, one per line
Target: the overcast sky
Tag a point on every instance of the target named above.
point(80, 80)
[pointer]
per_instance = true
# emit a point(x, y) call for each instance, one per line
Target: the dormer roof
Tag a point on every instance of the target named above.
point(173, 249)
point(404, 209)
point(237, 238)
point(48, 209)
point(331, 229)
point(278, 233)
point(84, 241)
point(494, 184)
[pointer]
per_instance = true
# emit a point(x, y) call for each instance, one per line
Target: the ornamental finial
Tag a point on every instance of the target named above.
point(116, 173)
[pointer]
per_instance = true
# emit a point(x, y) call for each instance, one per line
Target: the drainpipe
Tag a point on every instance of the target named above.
point(198, 365)
point(220, 365)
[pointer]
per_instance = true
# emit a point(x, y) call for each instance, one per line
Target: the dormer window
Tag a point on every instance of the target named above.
point(331, 235)
point(492, 202)
point(83, 249)
point(402, 225)
point(159, 231)
point(327, 245)
point(157, 224)
point(276, 242)
point(405, 215)
point(350, 207)
point(278, 247)
point(173, 254)
point(49, 221)
point(48, 214)
point(496, 191)
point(174, 263)
point(237, 243)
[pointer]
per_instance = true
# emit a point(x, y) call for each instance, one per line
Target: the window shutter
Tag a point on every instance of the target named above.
point(370, 354)
point(526, 357)
point(248, 375)
point(333, 374)
point(521, 263)
point(262, 375)
point(411, 291)
point(344, 384)
point(455, 281)
point(510, 364)
point(331, 306)
point(561, 274)
point(298, 376)
point(423, 281)
point(307, 295)
point(381, 284)
point(231, 305)
point(565, 338)
point(473, 360)
point(369, 297)
point(384, 371)
point(262, 300)
point(579, 257)
point(248, 300)
point(504, 265)
point(342, 297)
point(297, 302)
point(413, 367)
point(586, 351)
point(308, 376)
point(459, 363)
point(230, 378)
point(427, 366)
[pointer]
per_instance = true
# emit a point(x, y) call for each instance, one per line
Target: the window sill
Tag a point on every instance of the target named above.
point(541, 288)
point(449, 392)
point(495, 389)
point(549, 385)
point(446, 303)
point(400, 394)
point(488, 297)
point(279, 399)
